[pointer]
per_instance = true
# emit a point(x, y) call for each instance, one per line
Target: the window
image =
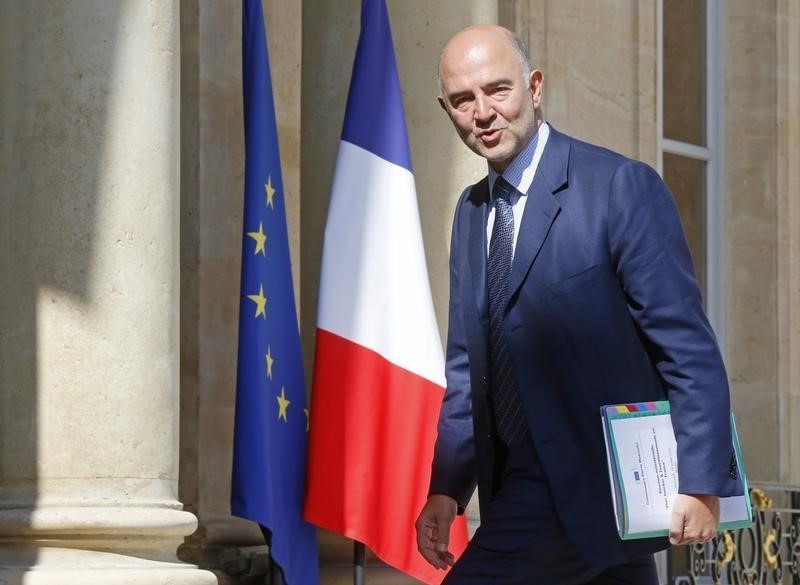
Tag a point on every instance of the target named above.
point(691, 116)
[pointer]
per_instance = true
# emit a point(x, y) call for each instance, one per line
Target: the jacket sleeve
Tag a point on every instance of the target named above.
point(453, 470)
point(653, 264)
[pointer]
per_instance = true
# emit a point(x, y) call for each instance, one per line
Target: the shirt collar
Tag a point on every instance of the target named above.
point(522, 169)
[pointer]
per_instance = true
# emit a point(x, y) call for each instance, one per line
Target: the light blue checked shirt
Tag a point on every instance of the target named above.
point(520, 175)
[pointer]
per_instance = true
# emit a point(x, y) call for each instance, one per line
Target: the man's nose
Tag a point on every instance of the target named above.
point(483, 110)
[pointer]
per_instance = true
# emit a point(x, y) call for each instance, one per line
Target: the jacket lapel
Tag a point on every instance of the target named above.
point(479, 212)
point(541, 208)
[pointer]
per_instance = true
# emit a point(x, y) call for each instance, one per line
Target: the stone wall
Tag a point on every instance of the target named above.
point(751, 231)
point(117, 181)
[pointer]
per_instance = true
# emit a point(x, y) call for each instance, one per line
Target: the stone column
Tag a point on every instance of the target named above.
point(89, 309)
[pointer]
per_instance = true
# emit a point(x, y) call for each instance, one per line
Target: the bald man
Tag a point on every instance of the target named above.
point(571, 287)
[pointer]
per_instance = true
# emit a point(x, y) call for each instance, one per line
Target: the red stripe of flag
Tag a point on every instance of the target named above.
point(370, 453)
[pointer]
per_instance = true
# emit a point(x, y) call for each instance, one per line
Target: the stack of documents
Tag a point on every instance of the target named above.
point(643, 468)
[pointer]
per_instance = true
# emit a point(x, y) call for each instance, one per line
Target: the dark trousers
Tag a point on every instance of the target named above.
point(521, 540)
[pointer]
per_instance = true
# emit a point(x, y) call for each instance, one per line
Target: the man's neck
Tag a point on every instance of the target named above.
point(520, 170)
point(500, 166)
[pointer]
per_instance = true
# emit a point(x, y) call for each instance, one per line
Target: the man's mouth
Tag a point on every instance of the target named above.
point(490, 136)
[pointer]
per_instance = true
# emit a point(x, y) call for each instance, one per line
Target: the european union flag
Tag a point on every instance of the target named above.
point(269, 457)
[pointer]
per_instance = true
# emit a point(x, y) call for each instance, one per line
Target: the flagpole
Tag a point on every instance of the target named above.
point(359, 562)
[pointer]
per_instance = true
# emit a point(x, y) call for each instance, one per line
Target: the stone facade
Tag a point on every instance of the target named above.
point(120, 234)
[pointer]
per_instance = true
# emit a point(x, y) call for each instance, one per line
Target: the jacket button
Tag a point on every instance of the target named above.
point(485, 381)
point(489, 436)
point(733, 468)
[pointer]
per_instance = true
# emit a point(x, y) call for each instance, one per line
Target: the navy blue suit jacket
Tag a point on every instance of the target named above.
point(603, 308)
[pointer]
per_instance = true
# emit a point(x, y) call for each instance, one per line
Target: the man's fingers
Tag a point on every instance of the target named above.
point(424, 539)
point(676, 527)
point(426, 545)
point(433, 530)
point(694, 519)
point(443, 533)
point(447, 558)
point(442, 539)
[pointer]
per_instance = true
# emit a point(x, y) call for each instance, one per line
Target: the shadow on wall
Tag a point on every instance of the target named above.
point(56, 67)
point(188, 484)
point(211, 205)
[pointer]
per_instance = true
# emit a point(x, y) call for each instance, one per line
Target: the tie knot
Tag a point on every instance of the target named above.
point(502, 189)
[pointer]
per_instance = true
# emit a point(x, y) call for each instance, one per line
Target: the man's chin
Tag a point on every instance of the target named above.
point(495, 154)
point(498, 158)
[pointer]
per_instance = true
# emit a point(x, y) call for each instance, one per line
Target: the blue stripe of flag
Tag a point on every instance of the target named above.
point(374, 119)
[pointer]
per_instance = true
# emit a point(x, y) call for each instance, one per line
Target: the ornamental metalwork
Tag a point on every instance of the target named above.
point(766, 553)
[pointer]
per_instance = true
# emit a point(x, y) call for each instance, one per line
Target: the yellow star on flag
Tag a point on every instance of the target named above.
point(283, 404)
point(260, 238)
point(270, 192)
point(270, 361)
point(261, 302)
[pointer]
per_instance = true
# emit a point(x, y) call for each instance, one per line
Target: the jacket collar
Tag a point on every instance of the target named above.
point(541, 210)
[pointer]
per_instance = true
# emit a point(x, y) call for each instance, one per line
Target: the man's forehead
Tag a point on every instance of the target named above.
point(466, 57)
point(476, 43)
point(477, 56)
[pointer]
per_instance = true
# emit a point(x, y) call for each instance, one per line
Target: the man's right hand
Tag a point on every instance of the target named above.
point(433, 530)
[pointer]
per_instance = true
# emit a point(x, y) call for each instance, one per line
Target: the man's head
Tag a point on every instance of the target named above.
point(490, 92)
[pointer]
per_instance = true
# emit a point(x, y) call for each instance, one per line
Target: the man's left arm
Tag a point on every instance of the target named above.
point(654, 266)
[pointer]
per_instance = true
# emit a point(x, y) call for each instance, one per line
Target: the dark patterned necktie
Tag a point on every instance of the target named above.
point(509, 417)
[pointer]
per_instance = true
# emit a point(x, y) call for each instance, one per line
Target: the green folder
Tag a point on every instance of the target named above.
point(643, 470)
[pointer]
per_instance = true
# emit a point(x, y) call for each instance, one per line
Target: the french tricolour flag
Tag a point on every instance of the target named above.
point(379, 368)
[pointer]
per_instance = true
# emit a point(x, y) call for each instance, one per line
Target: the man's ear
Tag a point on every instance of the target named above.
point(442, 103)
point(536, 81)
